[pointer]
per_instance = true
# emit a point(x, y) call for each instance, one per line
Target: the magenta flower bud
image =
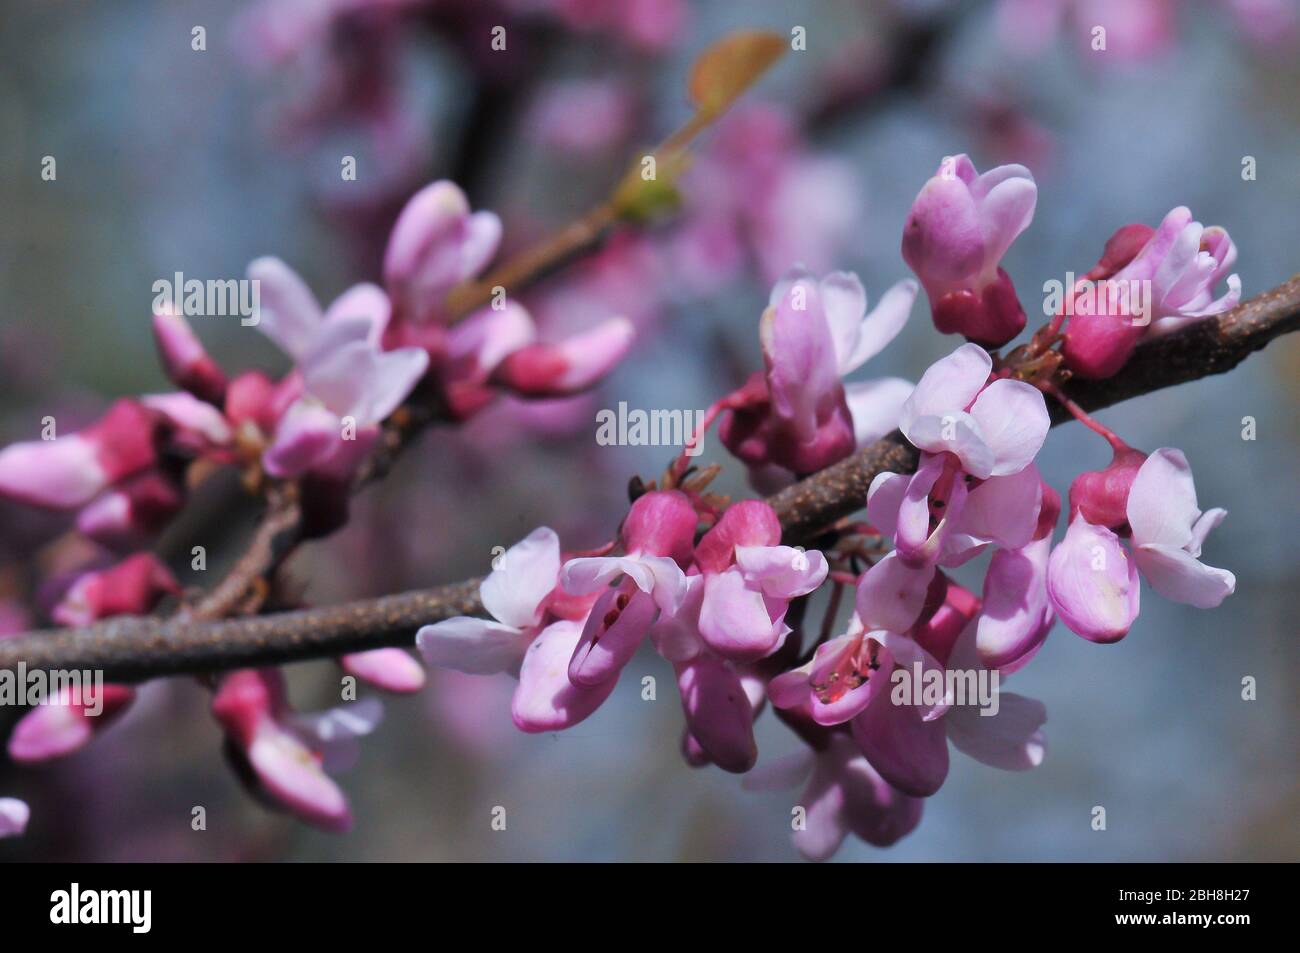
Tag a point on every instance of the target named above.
point(1092, 583)
point(1101, 496)
point(960, 226)
point(67, 723)
point(69, 471)
point(249, 400)
point(661, 523)
point(132, 587)
point(1120, 249)
point(744, 523)
point(569, 366)
point(133, 512)
point(184, 359)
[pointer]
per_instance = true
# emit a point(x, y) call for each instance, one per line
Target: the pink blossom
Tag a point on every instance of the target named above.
point(800, 418)
point(347, 377)
point(285, 754)
point(960, 226)
point(1093, 581)
point(976, 483)
point(68, 471)
point(582, 118)
point(657, 536)
point(1180, 263)
point(749, 580)
point(14, 815)
point(66, 723)
point(1135, 29)
point(533, 633)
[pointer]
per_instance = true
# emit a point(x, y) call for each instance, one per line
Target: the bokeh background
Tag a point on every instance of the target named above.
point(171, 159)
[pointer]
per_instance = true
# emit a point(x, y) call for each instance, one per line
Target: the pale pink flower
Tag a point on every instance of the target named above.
point(533, 634)
point(389, 668)
point(184, 359)
point(1093, 582)
point(800, 417)
point(960, 226)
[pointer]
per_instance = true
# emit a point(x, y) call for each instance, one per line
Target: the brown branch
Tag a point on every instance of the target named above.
point(134, 649)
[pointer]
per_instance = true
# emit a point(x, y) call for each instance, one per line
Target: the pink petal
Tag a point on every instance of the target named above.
point(782, 572)
point(948, 386)
point(1007, 196)
point(60, 474)
point(1012, 740)
point(802, 372)
point(1003, 509)
point(1013, 421)
point(1162, 501)
point(881, 325)
point(49, 731)
point(14, 815)
point(885, 498)
point(911, 754)
point(844, 303)
point(390, 669)
point(291, 774)
point(876, 407)
point(1177, 575)
point(891, 594)
point(365, 301)
point(718, 712)
point(1011, 624)
point(288, 312)
point(618, 624)
point(306, 435)
point(522, 578)
point(1093, 583)
point(545, 699)
point(734, 618)
point(474, 646)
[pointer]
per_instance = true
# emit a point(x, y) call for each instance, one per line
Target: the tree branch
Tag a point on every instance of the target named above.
point(135, 649)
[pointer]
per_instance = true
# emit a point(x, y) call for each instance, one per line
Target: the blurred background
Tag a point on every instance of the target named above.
point(171, 158)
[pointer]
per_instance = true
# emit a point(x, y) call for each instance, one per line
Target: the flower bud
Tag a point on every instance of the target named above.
point(1101, 496)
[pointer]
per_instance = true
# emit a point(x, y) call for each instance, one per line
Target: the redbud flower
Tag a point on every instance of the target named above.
point(282, 755)
point(1181, 262)
point(1101, 496)
point(132, 587)
point(960, 226)
point(527, 639)
point(435, 244)
point(70, 470)
point(14, 815)
point(657, 536)
point(749, 580)
point(345, 372)
point(66, 723)
point(128, 515)
point(814, 332)
point(390, 669)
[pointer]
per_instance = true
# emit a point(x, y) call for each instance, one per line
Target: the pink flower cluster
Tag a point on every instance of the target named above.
point(354, 364)
point(715, 592)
